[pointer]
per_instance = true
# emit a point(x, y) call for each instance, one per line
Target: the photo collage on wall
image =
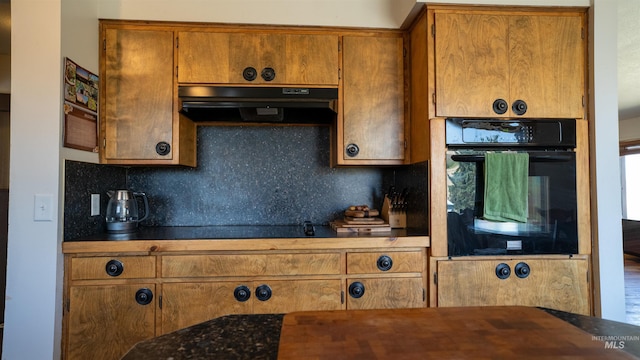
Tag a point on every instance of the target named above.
point(80, 107)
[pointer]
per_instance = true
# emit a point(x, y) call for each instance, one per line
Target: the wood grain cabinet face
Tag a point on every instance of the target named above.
point(482, 58)
point(137, 80)
point(250, 265)
point(385, 262)
point(113, 267)
point(387, 293)
point(373, 104)
point(221, 58)
point(110, 304)
point(185, 304)
point(385, 280)
point(105, 321)
point(189, 303)
point(553, 283)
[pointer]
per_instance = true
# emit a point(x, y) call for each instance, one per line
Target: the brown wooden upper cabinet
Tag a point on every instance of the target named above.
point(372, 128)
point(501, 64)
point(137, 123)
point(249, 58)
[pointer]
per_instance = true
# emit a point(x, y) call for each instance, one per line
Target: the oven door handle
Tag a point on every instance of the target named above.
point(532, 158)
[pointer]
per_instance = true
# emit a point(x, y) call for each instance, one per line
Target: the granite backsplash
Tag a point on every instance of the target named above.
point(246, 175)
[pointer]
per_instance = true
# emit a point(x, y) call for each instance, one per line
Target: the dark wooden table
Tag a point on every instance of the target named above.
point(440, 333)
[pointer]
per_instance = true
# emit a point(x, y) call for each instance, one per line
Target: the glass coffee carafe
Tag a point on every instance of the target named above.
point(122, 211)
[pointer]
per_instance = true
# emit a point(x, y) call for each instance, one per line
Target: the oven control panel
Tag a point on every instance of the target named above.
point(492, 132)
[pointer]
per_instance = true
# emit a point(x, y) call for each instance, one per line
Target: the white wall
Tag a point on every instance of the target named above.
point(608, 255)
point(33, 315)
point(45, 31)
point(33, 298)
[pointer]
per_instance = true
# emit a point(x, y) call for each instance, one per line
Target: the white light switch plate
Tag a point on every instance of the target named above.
point(95, 204)
point(42, 207)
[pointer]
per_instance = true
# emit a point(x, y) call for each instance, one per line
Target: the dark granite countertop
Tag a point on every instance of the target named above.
point(257, 337)
point(242, 232)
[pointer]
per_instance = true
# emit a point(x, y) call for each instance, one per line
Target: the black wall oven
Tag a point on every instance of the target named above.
point(551, 225)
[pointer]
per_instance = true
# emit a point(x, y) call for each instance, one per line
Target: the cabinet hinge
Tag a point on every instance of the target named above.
point(67, 304)
point(433, 98)
point(433, 30)
point(404, 52)
point(104, 143)
point(339, 74)
point(177, 42)
point(176, 71)
point(424, 295)
point(341, 297)
point(435, 278)
point(583, 102)
point(405, 144)
point(339, 46)
point(160, 301)
point(104, 44)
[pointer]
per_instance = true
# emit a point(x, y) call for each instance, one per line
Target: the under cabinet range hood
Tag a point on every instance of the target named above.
point(259, 104)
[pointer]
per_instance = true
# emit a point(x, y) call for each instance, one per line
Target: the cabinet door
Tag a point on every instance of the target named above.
point(138, 94)
point(484, 58)
point(547, 65)
point(385, 293)
point(203, 57)
point(372, 101)
point(297, 295)
point(221, 58)
point(186, 304)
point(471, 63)
point(259, 51)
point(311, 59)
point(105, 321)
point(553, 283)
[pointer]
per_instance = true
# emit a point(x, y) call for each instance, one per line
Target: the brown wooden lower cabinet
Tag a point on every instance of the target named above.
point(185, 304)
point(561, 284)
point(105, 321)
point(116, 299)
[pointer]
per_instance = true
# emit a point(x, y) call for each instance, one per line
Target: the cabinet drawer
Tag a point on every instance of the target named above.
point(385, 293)
point(250, 265)
point(107, 267)
point(390, 262)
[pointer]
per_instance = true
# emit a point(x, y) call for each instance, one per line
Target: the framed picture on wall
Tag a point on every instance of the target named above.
point(80, 107)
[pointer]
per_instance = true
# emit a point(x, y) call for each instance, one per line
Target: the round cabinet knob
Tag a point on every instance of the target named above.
point(384, 263)
point(249, 73)
point(114, 267)
point(500, 106)
point(268, 74)
point(519, 107)
point(242, 293)
point(163, 148)
point(144, 296)
point(522, 270)
point(356, 290)
point(503, 271)
point(263, 292)
point(352, 150)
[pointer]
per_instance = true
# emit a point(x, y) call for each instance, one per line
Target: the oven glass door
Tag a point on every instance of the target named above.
point(551, 226)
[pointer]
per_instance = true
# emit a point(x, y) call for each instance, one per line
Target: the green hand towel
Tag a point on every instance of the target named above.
point(506, 184)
